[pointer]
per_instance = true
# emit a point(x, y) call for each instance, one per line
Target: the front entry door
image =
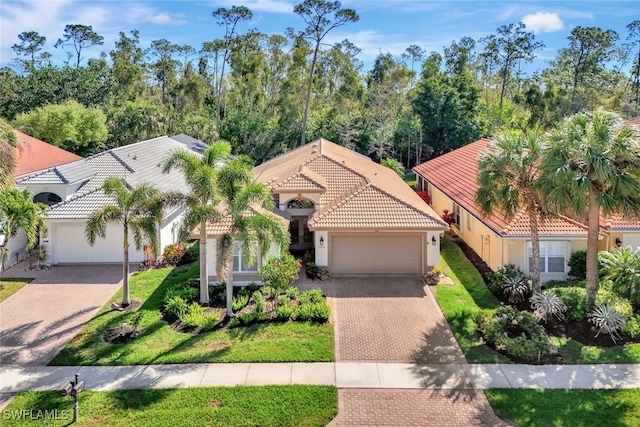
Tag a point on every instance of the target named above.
point(301, 237)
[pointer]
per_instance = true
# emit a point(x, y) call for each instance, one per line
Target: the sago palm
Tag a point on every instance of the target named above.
point(244, 205)
point(135, 208)
point(508, 179)
point(591, 167)
point(201, 201)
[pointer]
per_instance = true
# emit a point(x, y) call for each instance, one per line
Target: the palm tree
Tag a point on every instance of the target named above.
point(508, 180)
point(19, 211)
point(591, 167)
point(244, 205)
point(9, 145)
point(201, 202)
point(136, 209)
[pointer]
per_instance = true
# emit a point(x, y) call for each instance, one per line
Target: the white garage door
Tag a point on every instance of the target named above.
point(632, 240)
point(69, 245)
point(375, 254)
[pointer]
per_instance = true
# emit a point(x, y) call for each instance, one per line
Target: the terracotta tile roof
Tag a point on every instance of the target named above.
point(224, 225)
point(36, 155)
point(455, 173)
point(306, 180)
point(619, 222)
point(359, 192)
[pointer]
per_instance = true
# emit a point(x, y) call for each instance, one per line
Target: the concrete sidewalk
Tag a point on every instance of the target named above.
point(14, 378)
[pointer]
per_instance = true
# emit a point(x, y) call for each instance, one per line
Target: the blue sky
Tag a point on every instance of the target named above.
point(384, 26)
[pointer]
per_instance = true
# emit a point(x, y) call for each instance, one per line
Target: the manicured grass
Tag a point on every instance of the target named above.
point(291, 405)
point(567, 408)
point(11, 285)
point(463, 301)
point(159, 343)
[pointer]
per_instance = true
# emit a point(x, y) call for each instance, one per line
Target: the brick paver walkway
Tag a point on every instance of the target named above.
point(389, 319)
point(41, 318)
point(419, 408)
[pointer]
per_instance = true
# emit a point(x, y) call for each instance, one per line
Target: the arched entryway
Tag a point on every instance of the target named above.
point(300, 209)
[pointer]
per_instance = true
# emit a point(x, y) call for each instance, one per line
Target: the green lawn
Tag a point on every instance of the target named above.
point(567, 408)
point(158, 343)
point(291, 405)
point(11, 285)
point(462, 301)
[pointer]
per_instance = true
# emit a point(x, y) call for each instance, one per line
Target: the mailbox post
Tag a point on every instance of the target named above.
point(73, 389)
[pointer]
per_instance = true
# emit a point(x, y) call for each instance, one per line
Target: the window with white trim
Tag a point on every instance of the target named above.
point(456, 214)
point(552, 256)
point(241, 259)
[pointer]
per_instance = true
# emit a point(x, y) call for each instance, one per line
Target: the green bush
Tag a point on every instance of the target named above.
point(173, 253)
point(246, 318)
point(191, 254)
point(285, 311)
point(575, 299)
point(280, 272)
point(516, 333)
point(176, 306)
point(283, 299)
point(194, 317)
point(240, 301)
point(632, 328)
point(184, 291)
point(311, 296)
point(292, 293)
point(564, 283)
point(321, 311)
point(510, 281)
point(315, 272)
point(621, 305)
point(305, 312)
point(620, 269)
point(578, 265)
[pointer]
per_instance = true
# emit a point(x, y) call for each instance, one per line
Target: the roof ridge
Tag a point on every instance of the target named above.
point(139, 142)
point(122, 162)
point(57, 172)
point(77, 195)
point(573, 221)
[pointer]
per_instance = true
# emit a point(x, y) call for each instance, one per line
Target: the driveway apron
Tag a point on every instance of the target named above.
point(390, 319)
point(41, 318)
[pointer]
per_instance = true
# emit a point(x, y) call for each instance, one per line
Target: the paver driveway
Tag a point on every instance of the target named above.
point(390, 319)
point(41, 318)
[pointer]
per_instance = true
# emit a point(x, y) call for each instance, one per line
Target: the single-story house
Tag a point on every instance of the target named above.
point(359, 217)
point(619, 231)
point(74, 191)
point(451, 182)
point(33, 155)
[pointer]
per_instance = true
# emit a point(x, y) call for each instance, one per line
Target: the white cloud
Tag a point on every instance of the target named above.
point(269, 6)
point(140, 13)
point(543, 22)
point(372, 43)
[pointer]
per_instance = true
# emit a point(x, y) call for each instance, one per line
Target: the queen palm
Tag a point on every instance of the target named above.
point(135, 208)
point(244, 206)
point(508, 181)
point(591, 167)
point(19, 211)
point(201, 202)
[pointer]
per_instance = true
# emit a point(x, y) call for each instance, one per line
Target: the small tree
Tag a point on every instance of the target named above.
point(18, 211)
point(280, 272)
point(394, 165)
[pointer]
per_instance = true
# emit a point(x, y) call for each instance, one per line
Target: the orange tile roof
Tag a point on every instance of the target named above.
point(455, 173)
point(619, 222)
point(36, 155)
point(359, 192)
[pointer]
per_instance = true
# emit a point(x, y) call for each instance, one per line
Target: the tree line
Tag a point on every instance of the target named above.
point(267, 93)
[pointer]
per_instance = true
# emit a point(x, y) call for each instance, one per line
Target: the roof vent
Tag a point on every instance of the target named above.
point(135, 157)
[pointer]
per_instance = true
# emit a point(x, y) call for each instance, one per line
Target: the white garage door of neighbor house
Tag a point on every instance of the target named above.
point(375, 254)
point(71, 246)
point(632, 240)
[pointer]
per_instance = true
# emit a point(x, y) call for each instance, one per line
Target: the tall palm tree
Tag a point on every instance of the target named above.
point(244, 205)
point(9, 145)
point(201, 202)
point(136, 209)
point(591, 167)
point(19, 211)
point(508, 181)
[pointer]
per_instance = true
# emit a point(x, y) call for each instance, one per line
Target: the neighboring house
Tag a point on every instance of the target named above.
point(450, 180)
point(74, 191)
point(33, 155)
point(619, 232)
point(358, 216)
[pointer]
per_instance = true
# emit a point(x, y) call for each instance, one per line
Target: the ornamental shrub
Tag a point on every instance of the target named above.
point(176, 306)
point(578, 265)
point(285, 311)
point(620, 270)
point(173, 253)
point(516, 333)
point(575, 298)
point(280, 272)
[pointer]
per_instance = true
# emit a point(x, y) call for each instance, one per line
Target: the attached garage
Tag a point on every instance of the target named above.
point(631, 239)
point(397, 254)
point(70, 245)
